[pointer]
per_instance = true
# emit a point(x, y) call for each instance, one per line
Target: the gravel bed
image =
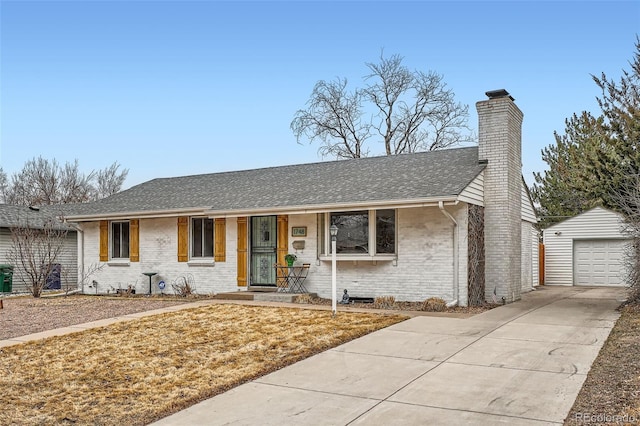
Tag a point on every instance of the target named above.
point(26, 315)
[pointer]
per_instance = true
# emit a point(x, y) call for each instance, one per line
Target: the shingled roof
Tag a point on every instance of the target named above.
point(417, 176)
point(31, 217)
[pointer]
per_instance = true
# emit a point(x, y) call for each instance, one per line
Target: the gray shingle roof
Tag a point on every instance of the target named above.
point(364, 180)
point(23, 216)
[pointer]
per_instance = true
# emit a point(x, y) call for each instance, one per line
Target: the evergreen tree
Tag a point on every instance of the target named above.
point(595, 156)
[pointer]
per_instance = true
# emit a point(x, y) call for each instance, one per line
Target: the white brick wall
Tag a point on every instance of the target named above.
point(425, 259)
point(424, 267)
point(500, 124)
point(158, 253)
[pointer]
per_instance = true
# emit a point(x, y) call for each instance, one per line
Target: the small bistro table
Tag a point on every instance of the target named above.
point(290, 279)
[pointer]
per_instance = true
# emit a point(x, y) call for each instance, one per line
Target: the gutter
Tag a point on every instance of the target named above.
point(323, 208)
point(456, 262)
point(300, 209)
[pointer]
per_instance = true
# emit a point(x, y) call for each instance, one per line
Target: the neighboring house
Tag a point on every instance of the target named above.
point(29, 217)
point(447, 223)
point(587, 249)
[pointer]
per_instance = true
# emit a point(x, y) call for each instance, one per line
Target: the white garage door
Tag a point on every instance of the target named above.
point(598, 262)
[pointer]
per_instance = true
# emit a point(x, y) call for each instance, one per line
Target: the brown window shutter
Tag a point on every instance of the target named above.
point(183, 239)
point(134, 240)
point(219, 250)
point(104, 240)
point(242, 252)
point(283, 238)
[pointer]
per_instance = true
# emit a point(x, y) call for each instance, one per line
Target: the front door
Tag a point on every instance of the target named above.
point(264, 243)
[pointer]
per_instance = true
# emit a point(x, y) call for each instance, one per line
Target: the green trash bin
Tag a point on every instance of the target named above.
point(6, 278)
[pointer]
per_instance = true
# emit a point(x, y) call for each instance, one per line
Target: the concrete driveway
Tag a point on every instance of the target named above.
point(519, 364)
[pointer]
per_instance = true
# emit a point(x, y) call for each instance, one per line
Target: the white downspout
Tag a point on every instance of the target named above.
point(455, 255)
point(80, 251)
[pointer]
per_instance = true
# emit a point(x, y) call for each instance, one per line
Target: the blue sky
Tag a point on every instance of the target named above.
point(174, 88)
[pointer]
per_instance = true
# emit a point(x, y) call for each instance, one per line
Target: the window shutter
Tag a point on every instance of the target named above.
point(242, 252)
point(134, 240)
point(183, 239)
point(283, 238)
point(219, 250)
point(104, 240)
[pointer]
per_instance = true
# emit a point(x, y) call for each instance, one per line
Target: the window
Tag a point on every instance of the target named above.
point(363, 232)
point(353, 231)
point(201, 237)
point(120, 240)
point(385, 231)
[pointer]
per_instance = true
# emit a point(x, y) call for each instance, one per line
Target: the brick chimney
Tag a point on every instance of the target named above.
point(500, 144)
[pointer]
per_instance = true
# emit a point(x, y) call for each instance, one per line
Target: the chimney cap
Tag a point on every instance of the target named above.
point(496, 94)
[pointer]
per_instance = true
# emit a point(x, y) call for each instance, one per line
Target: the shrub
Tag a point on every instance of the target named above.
point(384, 302)
point(183, 286)
point(434, 304)
point(304, 299)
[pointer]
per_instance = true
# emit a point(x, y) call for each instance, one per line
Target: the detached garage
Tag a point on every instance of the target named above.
point(587, 249)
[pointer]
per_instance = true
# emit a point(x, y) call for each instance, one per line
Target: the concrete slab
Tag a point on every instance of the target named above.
point(525, 394)
point(529, 355)
point(503, 314)
point(343, 373)
point(617, 293)
point(393, 413)
point(410, 345)
point(43, 335)
point(575, 311)
point(552, 333)
point(448, 326)
point(260, 404)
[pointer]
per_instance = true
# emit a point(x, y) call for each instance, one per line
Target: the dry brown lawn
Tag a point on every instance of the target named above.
point(135, 372)
point(611, 392)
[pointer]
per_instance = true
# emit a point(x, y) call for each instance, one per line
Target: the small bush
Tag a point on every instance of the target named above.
point(182, 287)
point(384, 302)
point(304, 299)
point(434, 304)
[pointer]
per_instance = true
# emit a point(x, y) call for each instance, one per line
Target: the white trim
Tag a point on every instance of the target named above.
point(360, 257)
point(119, 262)
point(474, 192)
point(151, 214)
point(201, 262)
point(270, 211)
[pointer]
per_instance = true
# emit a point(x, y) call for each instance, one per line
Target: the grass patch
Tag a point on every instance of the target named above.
point(135, 372)
point(611, 392)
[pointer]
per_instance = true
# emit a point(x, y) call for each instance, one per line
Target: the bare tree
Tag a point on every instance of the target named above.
point(44, 182)
point(626, 198)
point(4, 184)
point(334, 114)
point(35, 249)
point(83, 277)
point(109, 181)
point(409, 110)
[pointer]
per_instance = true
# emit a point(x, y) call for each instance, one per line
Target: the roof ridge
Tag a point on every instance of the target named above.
point(284, 166)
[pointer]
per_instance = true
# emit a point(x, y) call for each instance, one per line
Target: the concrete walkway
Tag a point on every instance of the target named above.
point(519, 364)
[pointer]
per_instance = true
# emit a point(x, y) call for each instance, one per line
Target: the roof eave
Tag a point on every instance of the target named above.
point(141, 214)
point(322, 208)
point(301, 209)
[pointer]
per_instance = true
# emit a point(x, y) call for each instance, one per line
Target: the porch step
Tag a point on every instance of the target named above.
point(271, 296)
point(236, 295)
point(263, 289)
point(279, 297)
